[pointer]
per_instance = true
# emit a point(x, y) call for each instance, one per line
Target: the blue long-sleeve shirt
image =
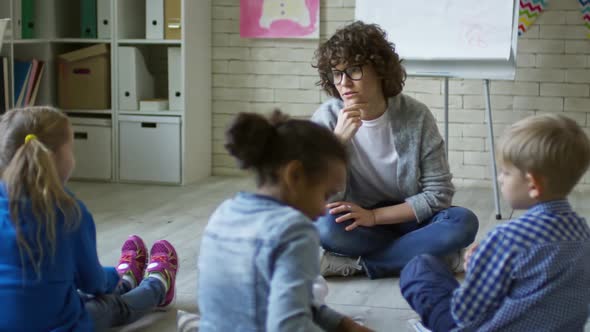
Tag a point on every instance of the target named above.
point(530, 274)
point(51, 302)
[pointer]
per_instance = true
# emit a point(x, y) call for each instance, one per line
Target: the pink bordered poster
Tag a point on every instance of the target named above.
point(279, 18)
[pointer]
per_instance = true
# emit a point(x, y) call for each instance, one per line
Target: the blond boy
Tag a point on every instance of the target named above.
point(531, 273)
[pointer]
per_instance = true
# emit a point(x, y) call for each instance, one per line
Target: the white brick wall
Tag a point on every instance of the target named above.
point(257, 75)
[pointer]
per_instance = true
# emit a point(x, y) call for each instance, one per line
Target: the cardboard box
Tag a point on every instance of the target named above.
point(84, 80)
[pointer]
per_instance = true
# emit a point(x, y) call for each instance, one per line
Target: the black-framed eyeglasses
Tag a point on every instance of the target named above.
point(354, 73)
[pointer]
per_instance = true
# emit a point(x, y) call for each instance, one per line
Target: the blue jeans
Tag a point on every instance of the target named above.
point(124, 305)
point(428, 284)
point(386, 249)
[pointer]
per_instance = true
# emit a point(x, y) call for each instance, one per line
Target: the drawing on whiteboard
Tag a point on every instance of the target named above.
point(475, 35)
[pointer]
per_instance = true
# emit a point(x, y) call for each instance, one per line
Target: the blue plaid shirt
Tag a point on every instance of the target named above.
point(530, 274)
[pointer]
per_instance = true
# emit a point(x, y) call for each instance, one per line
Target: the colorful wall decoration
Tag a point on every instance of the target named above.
point(531, 9)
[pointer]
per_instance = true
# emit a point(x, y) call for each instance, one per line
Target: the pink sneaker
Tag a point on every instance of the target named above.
point(133, 259)
point(163, 266)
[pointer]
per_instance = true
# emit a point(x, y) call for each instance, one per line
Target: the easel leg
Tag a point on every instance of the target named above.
point(492, 148)
point(446, 88)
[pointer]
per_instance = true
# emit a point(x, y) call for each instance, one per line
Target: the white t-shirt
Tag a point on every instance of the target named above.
point(373, 163)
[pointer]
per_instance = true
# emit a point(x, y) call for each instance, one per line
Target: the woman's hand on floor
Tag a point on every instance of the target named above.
point(360, 216)
point(349, 121)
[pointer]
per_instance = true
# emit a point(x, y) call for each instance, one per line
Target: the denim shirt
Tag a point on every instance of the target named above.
point(257, 263)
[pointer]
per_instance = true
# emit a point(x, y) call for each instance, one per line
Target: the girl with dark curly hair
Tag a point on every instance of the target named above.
point(397, 203)
point(262, 245)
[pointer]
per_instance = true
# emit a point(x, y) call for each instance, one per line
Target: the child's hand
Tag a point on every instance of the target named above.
point(348, 325)
point(468, 253)
point(360, 216)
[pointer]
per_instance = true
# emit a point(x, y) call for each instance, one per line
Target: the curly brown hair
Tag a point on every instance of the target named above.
point(360, 43)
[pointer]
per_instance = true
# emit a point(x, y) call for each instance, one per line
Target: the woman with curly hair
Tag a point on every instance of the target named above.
point(397, 202)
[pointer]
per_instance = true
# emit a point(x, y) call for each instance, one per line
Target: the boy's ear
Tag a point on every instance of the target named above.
point(535, 185)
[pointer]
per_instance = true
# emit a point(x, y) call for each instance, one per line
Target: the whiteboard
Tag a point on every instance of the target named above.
point(452, 38)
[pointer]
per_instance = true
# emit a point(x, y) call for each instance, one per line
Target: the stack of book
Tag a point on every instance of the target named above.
point(4, 85)
point(4, 89)
point(27, 76)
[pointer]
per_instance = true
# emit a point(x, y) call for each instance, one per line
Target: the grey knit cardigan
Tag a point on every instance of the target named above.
point(423, 174)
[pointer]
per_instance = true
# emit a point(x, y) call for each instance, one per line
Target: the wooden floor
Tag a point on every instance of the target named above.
point(179, 215)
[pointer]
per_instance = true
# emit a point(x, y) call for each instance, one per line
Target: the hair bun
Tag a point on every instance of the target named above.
point(249, 135)
point(278, 118)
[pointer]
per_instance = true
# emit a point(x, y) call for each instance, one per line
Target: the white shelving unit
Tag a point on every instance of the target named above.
point(26, 41)
point(80, 40)
point(150, 41)
point(129, 145)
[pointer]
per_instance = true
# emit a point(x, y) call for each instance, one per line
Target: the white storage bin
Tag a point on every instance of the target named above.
point(135, 80)
point(149, 148)
point(175, 79)
point(92, 148)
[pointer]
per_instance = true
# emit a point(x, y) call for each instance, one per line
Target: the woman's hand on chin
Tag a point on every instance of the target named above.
point(360, 216)
point(349, 121)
